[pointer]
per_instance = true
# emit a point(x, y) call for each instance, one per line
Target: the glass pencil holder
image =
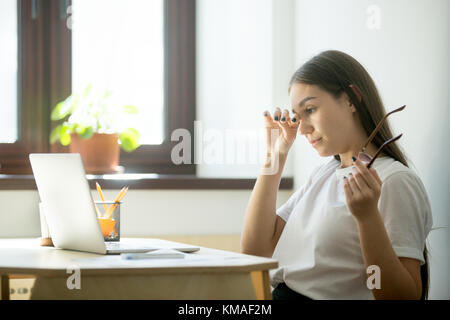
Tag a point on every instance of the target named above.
point(108, 214)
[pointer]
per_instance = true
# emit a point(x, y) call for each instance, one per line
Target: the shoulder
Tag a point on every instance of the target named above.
point(325, 168)
point(404, 203)
point(396, 173)
point(400, 183)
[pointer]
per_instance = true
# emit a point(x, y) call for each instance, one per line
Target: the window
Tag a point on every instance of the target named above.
point(112, 55)
point(8, 67)
point(26, 126)
point(51, 60)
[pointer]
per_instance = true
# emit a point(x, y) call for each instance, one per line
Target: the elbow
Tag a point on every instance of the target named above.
point(250, 251)
point(260, 252)
point(246, 248)
point(396, 295)
point(399, 287)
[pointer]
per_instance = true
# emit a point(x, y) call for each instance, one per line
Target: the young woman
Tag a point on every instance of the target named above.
point(350, 232)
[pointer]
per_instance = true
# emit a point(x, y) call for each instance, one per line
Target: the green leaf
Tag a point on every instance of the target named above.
point(59, 112)
point(64, 108)
point(64, 135)
point(130, 109)
point(107, 94)
point(129, 139)
point(128, 144)
point(134, 132)
point(78, 128)
point(54, 135)
point(56, 112)
point(87, 91)
point(87, 133)
point(92, 112)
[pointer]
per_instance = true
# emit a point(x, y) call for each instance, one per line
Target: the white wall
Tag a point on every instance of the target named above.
point(244, 61)
point(145, 212)
point(408, 57)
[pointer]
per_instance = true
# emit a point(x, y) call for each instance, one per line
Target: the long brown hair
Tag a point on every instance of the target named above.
point(334, 72)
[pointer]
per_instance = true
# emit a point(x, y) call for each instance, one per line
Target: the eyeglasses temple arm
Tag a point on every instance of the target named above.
point(381, 148)
point(374, 132)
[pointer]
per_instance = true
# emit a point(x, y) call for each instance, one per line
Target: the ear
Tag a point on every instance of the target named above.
point(358, 95)
point(356, 91)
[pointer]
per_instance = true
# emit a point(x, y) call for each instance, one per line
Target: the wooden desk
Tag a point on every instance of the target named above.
point(206, 274)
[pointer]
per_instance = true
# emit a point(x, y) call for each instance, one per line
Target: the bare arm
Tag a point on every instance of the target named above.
point(399, 277)
point(262, 227)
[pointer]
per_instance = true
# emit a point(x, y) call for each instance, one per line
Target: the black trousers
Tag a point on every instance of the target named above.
point(283, 292)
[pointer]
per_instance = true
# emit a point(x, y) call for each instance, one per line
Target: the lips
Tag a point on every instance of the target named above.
point(313, 142)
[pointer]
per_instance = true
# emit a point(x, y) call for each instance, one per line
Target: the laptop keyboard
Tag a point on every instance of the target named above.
point(120, 247)
point(117, 247)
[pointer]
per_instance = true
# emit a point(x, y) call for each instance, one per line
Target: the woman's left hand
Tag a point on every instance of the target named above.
point(362, 190)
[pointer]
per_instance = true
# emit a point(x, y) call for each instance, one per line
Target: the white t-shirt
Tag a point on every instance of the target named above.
point(319, 251)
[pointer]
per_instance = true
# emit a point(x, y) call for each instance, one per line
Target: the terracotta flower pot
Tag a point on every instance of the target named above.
point(100, 153)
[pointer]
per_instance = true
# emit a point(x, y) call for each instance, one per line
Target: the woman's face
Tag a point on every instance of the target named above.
point(329, 124)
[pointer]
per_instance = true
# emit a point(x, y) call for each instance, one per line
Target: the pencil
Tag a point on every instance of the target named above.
point(122, 195)
point(119, 197)
point(100, 192)
point(98, 211)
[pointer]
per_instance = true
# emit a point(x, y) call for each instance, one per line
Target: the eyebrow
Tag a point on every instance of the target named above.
point(302, 103)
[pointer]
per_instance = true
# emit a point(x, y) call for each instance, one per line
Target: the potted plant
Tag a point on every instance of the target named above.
point(92, 124)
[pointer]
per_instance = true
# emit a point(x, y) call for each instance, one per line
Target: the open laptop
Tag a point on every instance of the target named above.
point(70, 209)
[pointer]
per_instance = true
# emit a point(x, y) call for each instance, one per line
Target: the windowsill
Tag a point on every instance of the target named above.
point(147, 182)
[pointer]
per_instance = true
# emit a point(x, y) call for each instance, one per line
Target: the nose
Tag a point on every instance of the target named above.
point(305, 128)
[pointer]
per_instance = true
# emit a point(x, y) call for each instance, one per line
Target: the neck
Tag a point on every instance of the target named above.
point(346, 157)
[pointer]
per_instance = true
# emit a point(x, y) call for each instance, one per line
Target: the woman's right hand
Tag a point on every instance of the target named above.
point(282, 139)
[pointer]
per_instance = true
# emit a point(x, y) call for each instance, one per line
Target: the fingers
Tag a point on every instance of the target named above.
point(291, 122)
point(287, 121)
point(294, 121)
point(365, 177)
point(270, 125)
point(277, 114)
point(271, 121)
point(284, 120)
point(375, 175)
point(353, 186)
point(347, 189)
point(268, 120)
point(281, 119)
point(285, 116)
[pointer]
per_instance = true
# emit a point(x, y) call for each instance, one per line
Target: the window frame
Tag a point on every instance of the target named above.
point(179, 92)
point(44, 78)
point(29, 80)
